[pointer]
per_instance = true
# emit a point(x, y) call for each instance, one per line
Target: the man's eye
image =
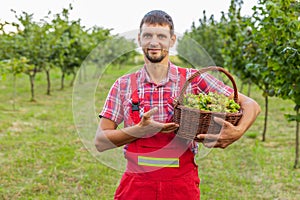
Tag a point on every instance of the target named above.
point(161, 36)
point(147, 36)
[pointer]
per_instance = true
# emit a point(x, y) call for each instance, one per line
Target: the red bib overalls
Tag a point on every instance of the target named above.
point(160, 167)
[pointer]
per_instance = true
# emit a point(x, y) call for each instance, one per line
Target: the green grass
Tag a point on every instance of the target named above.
point(42, 156)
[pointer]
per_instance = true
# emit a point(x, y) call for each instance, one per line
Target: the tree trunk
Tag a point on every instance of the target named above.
point(85, 74)
point(48, 82)
point(242, 87)
point(297, 139)
point(266, 119)
point(31, 77)
point(73, 79)
point(15, 92)
point(62, 81)
point(249, 89)
point(80, 75)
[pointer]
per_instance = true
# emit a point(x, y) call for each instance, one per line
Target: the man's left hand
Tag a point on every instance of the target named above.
point(228, 134)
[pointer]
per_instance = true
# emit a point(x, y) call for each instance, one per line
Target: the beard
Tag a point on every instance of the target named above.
point(156, 59)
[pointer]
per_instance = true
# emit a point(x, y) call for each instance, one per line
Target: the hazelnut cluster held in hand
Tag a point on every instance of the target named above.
point(213, 102)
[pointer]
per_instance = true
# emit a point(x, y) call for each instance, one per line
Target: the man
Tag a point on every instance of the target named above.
point(159, 164)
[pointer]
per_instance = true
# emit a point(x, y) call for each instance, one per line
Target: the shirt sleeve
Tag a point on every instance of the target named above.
point(113, 108)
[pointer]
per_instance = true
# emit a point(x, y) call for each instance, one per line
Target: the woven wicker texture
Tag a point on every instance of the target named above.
point(194, 121)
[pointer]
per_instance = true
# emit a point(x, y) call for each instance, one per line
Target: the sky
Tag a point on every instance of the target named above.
point(122, 16)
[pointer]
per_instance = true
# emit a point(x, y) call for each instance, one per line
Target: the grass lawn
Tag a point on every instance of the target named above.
point(43, 157)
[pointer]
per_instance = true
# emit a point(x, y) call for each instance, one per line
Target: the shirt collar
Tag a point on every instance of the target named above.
point(172, 74)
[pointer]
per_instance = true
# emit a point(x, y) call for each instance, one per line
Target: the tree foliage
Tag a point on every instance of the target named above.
point(263, 49)
point(53, 41)
point(277, 35)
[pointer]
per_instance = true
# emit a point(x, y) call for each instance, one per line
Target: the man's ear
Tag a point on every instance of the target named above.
point(173, 40)
point(139, 39)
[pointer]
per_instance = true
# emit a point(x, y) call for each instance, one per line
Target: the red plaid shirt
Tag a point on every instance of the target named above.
point(118, 102)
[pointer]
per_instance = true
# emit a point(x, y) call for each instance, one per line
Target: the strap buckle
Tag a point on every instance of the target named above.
point(135, 106)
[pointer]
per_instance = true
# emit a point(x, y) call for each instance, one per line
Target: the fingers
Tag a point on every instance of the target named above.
point(212, 140)
point(215, 136)
point(215, 144)
point(169, 127)
point(152, 126)
point(151, 112)
point(221, 122)
point(208, 137)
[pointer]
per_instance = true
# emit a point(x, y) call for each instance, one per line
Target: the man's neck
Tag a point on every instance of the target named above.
point(157, 71)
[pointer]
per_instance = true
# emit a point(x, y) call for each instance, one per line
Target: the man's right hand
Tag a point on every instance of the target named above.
point(147, 126)
point(108, 136)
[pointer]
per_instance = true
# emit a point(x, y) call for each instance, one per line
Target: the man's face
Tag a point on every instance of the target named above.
point(156, 40)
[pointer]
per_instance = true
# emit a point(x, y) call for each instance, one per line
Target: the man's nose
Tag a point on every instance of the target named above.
point(154, 41)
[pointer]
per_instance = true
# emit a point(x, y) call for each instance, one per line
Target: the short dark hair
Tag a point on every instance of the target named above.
point(158, 17)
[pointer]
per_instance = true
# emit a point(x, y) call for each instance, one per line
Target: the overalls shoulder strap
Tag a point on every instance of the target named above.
point(135, 102)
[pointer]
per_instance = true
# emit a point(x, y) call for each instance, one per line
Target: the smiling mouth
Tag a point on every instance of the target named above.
point(154, 50)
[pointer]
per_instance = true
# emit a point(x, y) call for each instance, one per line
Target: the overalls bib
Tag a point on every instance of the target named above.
point(160, 167)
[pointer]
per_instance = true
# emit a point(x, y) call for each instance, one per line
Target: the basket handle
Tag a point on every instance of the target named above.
point(211, 68)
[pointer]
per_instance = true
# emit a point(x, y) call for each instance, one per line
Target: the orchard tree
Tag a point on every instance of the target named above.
point(116, 50)
point(243, 56)
point(206, 35)
point(234, 31)
point(65, 52)
point(32, 41)
point(46, 41)
point(73, 43)
point(26, 43)
point(277, 37)
point(14, 66)
point(192, 54)
point(202, 45)
point(49, 43)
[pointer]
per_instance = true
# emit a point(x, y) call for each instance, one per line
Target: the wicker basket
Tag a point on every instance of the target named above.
point(193, 121)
